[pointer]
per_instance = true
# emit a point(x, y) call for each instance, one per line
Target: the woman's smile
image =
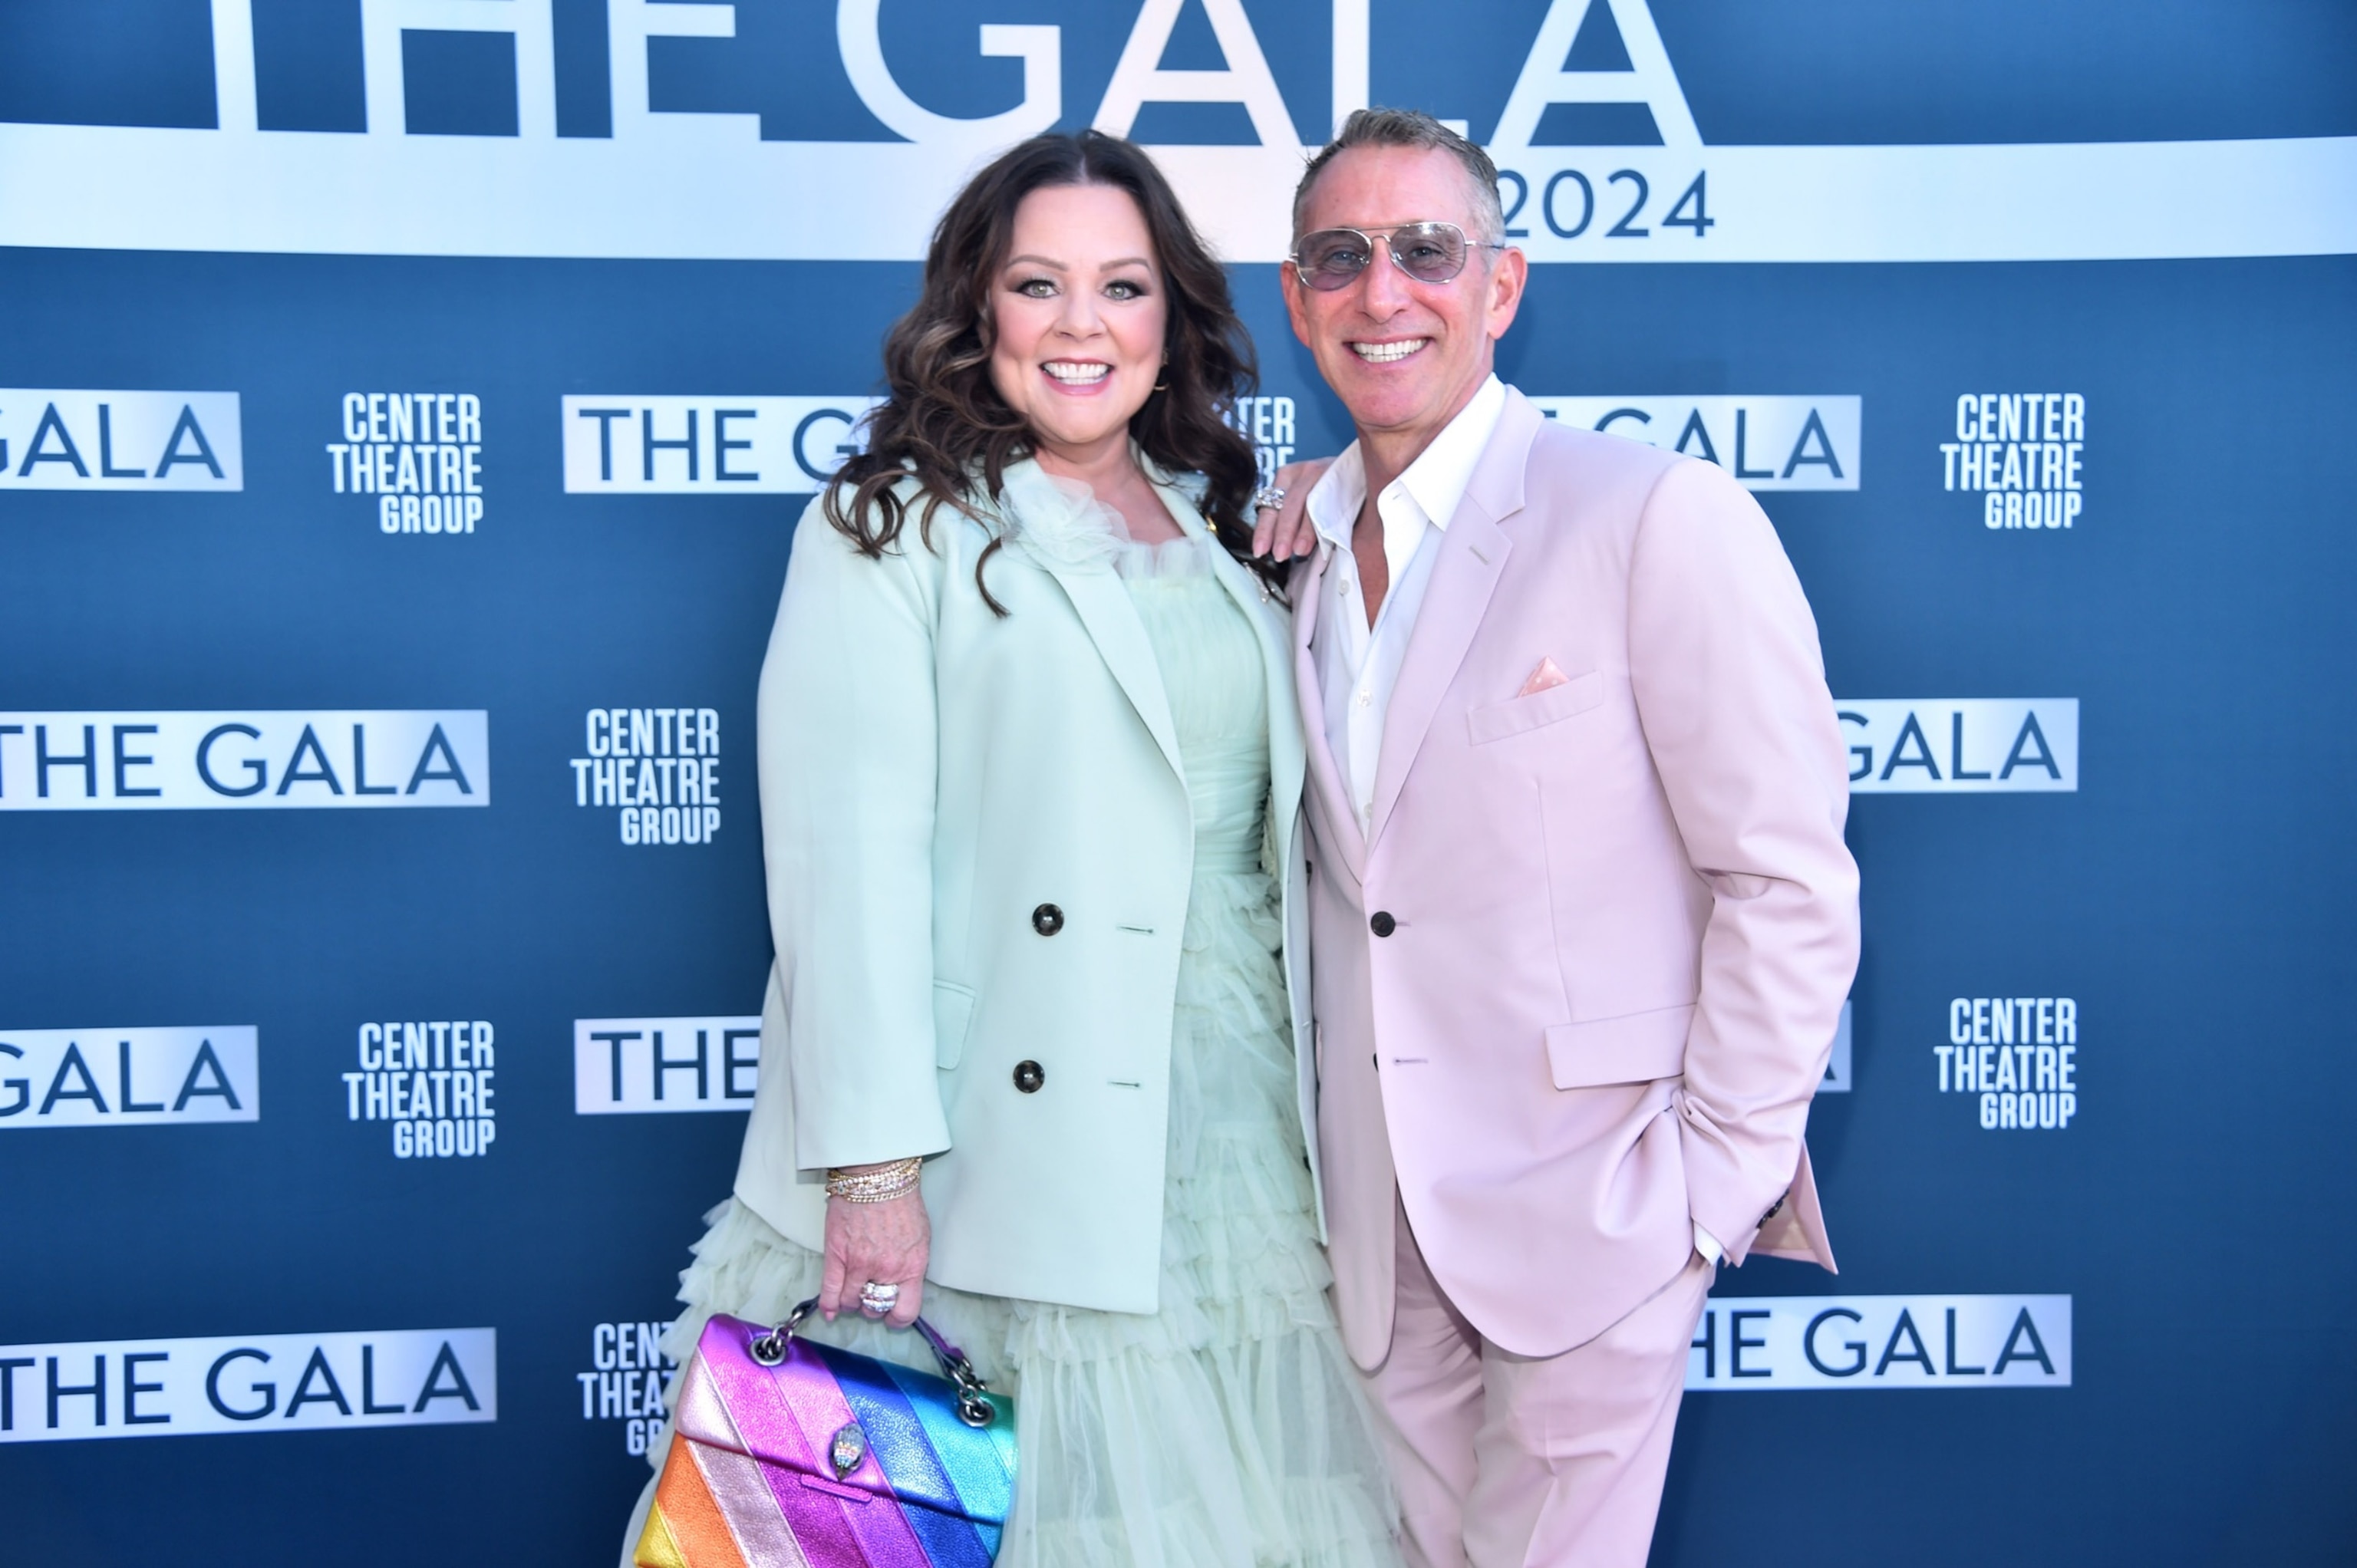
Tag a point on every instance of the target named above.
point(1079, 376)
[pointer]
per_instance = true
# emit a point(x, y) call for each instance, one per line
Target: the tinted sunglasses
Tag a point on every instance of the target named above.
point(1428, 252)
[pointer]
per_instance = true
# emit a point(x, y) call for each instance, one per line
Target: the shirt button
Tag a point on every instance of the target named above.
point(1365, 698)
point(1047, 919)
point(1029, 1076)
point(1382, 923)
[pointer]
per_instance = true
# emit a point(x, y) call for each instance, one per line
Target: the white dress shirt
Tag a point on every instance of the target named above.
point(1358, 662)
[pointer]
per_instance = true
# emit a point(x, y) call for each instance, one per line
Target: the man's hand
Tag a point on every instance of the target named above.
point(886, 1243)
point(1287, 531)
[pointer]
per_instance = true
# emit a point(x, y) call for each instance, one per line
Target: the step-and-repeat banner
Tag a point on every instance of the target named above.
point(407, 406)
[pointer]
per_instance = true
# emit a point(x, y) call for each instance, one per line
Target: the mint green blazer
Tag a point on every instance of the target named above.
point(931, 775)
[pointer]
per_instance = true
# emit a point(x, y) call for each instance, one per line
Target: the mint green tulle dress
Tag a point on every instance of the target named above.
point(1226, 1430)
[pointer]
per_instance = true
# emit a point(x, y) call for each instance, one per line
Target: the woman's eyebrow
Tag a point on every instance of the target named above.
point(1145, 261)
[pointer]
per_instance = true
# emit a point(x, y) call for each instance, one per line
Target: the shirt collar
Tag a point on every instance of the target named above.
point(1437, 481)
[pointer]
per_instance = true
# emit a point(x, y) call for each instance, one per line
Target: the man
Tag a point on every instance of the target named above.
point(1581, 914)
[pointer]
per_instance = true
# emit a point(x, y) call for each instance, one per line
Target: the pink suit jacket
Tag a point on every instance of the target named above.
point(1622, 918)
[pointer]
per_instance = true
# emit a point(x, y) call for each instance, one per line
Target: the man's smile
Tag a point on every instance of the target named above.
point(1388, 353)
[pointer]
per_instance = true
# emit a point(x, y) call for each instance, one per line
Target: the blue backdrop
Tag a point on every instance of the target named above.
point(254, 216)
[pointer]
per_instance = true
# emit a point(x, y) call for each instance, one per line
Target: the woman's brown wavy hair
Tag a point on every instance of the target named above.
point(944, 420)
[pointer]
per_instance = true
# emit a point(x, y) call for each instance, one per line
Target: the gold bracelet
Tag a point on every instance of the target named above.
point(882, 1185)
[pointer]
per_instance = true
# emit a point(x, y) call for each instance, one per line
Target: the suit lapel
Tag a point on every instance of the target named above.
point(1325, 775)
point(1473, 551)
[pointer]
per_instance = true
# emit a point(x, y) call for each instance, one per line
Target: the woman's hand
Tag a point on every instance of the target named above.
point(885, 1243)
point(1287, 531)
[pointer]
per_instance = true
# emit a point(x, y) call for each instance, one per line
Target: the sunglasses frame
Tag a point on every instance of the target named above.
point(1387, 235)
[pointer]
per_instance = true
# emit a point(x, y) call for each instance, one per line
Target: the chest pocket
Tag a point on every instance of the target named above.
point(1521, 714)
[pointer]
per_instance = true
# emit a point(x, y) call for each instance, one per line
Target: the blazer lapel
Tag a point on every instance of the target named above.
point(1473, 551)
point(1269, 628)
point(1103, 606)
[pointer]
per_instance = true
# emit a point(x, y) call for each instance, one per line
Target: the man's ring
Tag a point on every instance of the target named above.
point(878, 1300)
point(1268, 498)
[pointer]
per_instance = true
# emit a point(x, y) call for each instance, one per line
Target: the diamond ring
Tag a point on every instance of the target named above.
point(878, 1300)
point(1268, 498)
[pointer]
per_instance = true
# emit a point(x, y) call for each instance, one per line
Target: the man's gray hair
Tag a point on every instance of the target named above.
point(1414, 129)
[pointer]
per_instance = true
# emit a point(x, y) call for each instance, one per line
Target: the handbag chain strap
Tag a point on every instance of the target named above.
point(768, 1348)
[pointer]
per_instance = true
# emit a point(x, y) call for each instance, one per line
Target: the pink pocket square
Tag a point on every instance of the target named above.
point(1546, 678)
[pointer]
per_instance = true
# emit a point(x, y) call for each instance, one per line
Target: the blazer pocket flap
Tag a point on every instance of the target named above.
point(1636, 1047)
point(1499, 719)
point(952, 1011)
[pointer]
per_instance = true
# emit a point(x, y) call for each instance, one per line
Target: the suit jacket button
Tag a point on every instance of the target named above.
point(1047, 919)
point(1382, 923)
point(1029, 1076)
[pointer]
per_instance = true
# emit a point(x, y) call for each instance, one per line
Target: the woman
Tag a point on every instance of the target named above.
point(1029, 769)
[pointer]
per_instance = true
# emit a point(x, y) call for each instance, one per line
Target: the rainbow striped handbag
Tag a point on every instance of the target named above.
point(794, 1454)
